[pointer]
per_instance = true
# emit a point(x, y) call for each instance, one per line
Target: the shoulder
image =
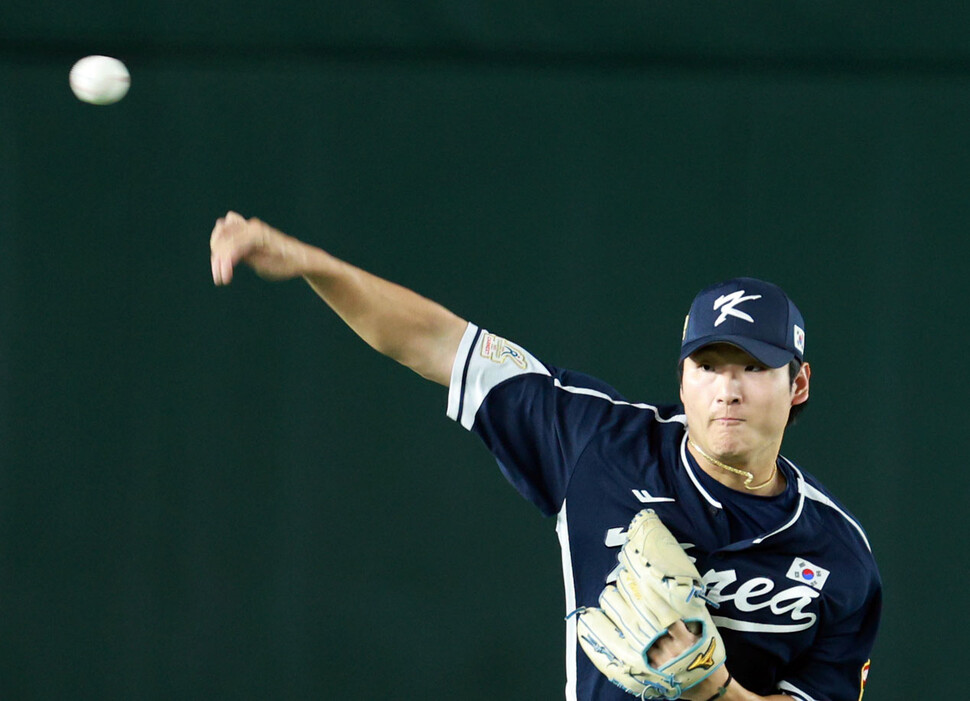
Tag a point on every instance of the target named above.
point(579, 391)
point(497, 381)
point(834, 519)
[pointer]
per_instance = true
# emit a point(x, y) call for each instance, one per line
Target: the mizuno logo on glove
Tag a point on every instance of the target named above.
point(705, 660)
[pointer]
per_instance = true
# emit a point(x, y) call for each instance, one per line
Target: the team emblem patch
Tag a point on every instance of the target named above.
point(799, 338)
point(805, 572)
point(498, 350)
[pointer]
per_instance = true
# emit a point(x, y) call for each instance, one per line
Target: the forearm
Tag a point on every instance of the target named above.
point(741, 694)
point(392, 319)
point(399, 323)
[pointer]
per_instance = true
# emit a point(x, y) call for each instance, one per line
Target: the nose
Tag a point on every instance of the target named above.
point(728, 387)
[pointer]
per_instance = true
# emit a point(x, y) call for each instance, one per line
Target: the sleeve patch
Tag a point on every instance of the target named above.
point(484, 361)
point(499, 350)
point(863, 678)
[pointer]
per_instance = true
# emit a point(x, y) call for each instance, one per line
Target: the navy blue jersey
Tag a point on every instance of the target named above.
point(798, 590)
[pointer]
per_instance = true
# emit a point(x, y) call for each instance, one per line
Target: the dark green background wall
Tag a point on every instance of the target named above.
point(224, 494)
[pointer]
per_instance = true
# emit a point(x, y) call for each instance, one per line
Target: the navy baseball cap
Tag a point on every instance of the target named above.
point(751, 314)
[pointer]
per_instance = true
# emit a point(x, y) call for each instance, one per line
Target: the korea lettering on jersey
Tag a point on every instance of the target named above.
point(798, 606)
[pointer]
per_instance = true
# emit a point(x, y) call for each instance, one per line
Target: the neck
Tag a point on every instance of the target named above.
point(766, 481)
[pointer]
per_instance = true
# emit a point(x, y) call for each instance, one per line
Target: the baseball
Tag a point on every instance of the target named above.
point(99, 80)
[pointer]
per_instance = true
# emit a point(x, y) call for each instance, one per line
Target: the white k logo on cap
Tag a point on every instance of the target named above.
point(727, 304)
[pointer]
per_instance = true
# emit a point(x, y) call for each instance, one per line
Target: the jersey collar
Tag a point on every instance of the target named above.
point(706, 495)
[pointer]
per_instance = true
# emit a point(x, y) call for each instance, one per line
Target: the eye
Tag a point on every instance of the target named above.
point(706, 367)
point(754, 368)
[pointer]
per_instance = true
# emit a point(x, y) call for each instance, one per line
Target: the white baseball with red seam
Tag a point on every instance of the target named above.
point(99, 80)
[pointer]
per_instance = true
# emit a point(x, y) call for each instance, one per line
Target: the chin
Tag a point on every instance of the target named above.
point(728, 450)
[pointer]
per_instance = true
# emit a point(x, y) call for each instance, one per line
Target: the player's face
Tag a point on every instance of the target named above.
point(737, 407)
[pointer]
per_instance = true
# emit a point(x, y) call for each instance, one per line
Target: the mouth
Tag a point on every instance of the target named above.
point(728, 421)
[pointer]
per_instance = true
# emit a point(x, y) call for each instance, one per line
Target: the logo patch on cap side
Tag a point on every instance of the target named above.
point(805, 572)
point(799, 338)
point(727, 304)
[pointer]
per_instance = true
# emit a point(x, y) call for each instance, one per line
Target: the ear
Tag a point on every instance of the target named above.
point(800, 385)
point(681, 369)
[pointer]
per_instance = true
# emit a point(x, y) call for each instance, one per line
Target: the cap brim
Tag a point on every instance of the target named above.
point(772, 356)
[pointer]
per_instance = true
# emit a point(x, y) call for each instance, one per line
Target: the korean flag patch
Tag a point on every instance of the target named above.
point(805, 572)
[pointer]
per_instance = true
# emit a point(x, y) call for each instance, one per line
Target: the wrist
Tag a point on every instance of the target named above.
point(720, 682)
point(315, 263)
point(722, 686)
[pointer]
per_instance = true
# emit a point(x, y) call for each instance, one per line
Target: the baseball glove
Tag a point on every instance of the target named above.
point(657, 586)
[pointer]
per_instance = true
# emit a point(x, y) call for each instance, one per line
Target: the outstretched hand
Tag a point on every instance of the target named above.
point(271, 253)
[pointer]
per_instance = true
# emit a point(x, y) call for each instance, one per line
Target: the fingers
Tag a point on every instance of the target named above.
point(227, 245)
point(221, 270)
point(670, 646)
point(216, 270)
point(681, 633)
point(238, 240)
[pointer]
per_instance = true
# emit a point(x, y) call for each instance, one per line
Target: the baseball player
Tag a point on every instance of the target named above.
point(794, 590)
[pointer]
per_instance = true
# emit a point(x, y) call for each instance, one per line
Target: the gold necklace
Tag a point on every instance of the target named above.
point(749, 477)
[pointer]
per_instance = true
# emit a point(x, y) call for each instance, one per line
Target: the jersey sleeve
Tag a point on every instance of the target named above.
point(535, 419)
point(838, 663)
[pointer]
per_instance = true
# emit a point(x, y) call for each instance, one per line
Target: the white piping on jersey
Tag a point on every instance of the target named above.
point(714, 502)
point(790, 688)
point(815, 495)
point(805, 490)
point(458, 369)
point(800, 484)
point(562, 530)
point(693, 478)
point(467, 403)
point(676, 418)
